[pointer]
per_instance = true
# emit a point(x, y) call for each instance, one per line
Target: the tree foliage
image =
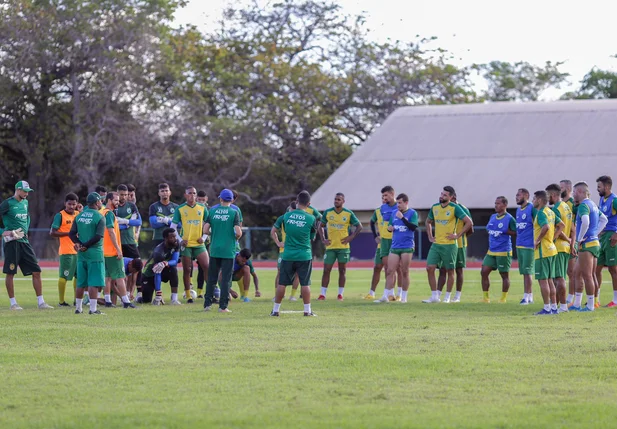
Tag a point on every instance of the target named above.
point(269, 102)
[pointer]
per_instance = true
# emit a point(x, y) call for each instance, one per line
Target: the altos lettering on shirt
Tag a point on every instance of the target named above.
point(524, 226)
point(88, 224)
point(499, 242)
point(15, 216)
point(402, 236)
point(608, 206)
point(223, 221)
point(299, 232)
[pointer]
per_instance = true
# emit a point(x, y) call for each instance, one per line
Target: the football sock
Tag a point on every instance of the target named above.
point(40, 299)
point(504, 296)
point(61, 289)
point(485, 295)
point(341, 290)
point(324, 290)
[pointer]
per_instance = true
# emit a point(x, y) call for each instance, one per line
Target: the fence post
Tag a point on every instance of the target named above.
point(247, 239)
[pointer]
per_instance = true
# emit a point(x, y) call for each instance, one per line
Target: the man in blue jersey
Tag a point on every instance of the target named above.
point(402, 225)
point(386, 211)
point(525, 243)
point(608, 237)
point(500, 228)
point(589, 224)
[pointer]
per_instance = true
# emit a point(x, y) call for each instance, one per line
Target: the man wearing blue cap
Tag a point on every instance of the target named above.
point(17, 249)
point(87, 233)
point(223, 225)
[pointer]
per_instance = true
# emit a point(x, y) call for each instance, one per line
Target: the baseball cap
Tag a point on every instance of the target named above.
point(22, 185)
point(93, 197)
point(226, 195)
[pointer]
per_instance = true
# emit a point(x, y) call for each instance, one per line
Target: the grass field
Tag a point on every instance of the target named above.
point(356, 365)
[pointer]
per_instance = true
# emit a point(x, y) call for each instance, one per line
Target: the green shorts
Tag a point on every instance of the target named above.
point(193, 252)
point(499, 263)
point(401, 251)
point(545, 268)
point(20, 254)
point(594, 250)
point(333, 255)
point(114, 268)
point(90, 274)
point(68, 267)
point(384, 247)
point(561, 265)
point(461, 257)
point(608, 253)
point(442, 256)
point(526, 260)
point(377, 259)
point(289, 269)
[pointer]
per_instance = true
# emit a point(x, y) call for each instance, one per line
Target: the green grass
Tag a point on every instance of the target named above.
point(356, 365)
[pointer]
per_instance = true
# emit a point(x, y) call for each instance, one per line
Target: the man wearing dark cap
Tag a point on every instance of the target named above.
point(87, 233)
point(17, 249)
point(223, 225)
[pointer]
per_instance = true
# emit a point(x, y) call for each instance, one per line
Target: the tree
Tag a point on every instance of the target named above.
point(519, 81)
point(596, 84)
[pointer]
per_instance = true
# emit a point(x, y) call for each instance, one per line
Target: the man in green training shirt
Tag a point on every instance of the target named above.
point(223, 226)
point(87, 233)
point(297, 254)
point(17, 249)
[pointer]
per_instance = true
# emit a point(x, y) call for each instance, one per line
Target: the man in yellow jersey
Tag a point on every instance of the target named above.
point(376, 227)
point(544, 233)
point(112, 252)
point(566, 197)
point(461, 259)
point(338, 220)
point(192, 216)
point(562, 242)
point(60, 228)
point(443, 251)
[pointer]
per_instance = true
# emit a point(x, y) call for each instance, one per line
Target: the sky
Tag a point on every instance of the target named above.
point(582, 34)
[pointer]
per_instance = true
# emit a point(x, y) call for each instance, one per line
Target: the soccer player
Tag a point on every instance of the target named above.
point(112, 252)
point(129, 218)
point(501, 228)
point(242, 272)
point(161, 267)
point(102, 191)
point(608, 237)
point(202, 198)
point(589, 224)
point(444, 249)
point(17, 249)
point(566, 196)
point(87, 233)
point(546, 226)
point(223, 223)
point(376, 226)
point(292, 206)
point(562, 242)
point(192, 216)
point(132, 198)
point(300, 230)
point(402, 225)
point(525, 243)
point(161, 214)
point(461, 257)
point(337, 221)
point(386, 211)
point(60, 228)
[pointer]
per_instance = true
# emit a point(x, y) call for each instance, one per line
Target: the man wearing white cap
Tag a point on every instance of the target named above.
point(17, 249)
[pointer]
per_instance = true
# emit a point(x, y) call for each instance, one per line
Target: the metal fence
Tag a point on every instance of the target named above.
point(259, 241)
